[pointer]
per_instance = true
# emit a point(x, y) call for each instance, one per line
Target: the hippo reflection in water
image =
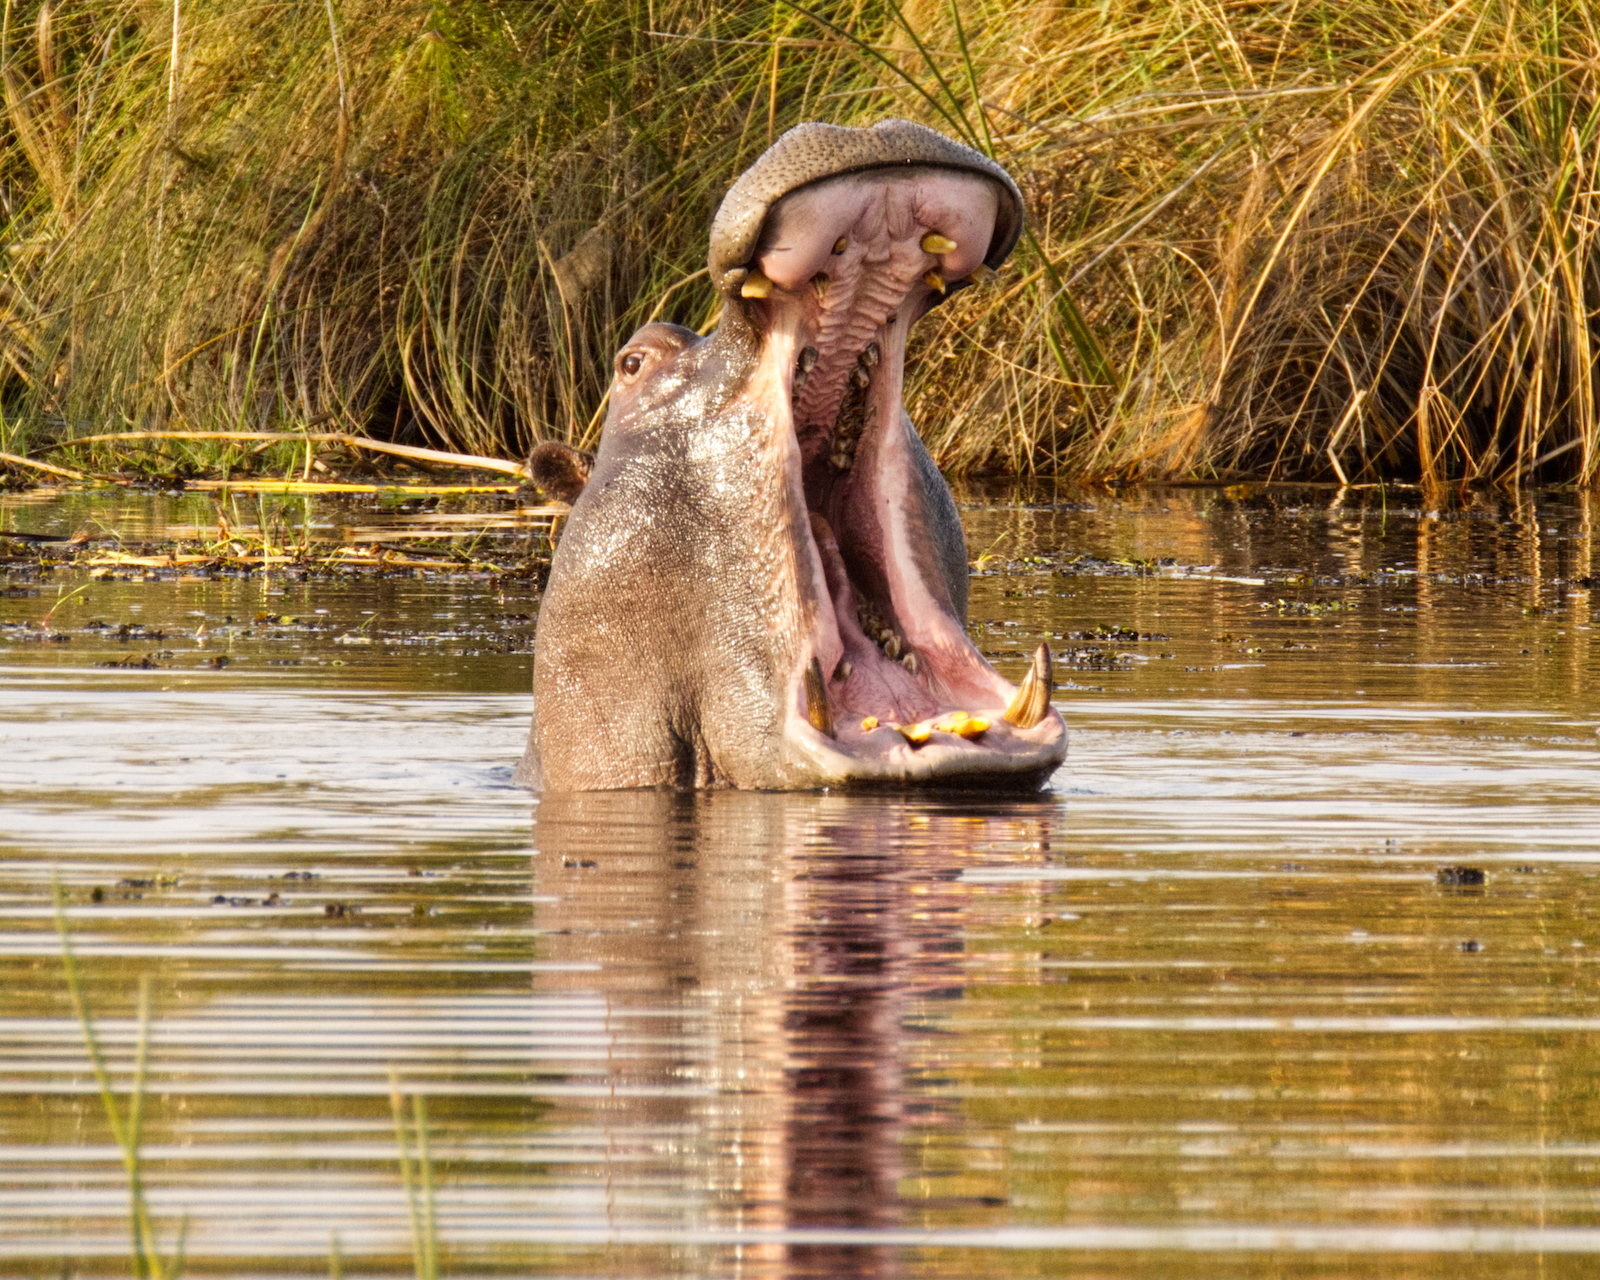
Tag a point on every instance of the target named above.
point(763, 581)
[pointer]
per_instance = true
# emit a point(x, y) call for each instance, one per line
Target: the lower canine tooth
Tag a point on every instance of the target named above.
point(933, 279)
point(818, 712)
point(1033, 697)
point(933, 242)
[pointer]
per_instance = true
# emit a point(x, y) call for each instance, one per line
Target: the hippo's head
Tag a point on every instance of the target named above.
point(763, 581)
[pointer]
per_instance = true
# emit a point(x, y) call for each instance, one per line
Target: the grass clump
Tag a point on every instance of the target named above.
point(1341, 241)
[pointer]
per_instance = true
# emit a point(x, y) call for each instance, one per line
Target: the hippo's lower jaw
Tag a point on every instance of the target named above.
point(887, 687)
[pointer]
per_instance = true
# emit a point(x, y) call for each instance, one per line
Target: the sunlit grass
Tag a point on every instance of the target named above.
point(1348, 241)
point(124, 1113)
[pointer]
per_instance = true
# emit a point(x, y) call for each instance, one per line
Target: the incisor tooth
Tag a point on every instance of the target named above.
point(933, 279)
point(933, 242)
point(840, 245)
point(820, 283)
point(755, 285)
point(817, 710)
point(1033, 697)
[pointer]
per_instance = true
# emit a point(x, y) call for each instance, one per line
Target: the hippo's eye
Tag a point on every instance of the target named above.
point(632, 363)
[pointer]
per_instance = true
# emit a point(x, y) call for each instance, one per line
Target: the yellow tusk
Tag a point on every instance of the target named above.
point(820, 283)
point(755, 285)
point(869, 723)
point(818, 712)
point(934, 281)
point(933, 242)
point(1033, 696)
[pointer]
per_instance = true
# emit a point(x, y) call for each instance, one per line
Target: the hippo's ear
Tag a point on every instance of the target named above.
point(559, 470)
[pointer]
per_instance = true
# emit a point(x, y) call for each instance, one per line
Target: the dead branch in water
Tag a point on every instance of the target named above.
point(16, 460)
point(438, 456)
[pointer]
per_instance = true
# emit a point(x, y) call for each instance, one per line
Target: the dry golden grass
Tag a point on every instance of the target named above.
point(1342, 241)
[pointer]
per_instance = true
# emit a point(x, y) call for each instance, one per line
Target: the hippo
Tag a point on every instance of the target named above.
point(762, 582)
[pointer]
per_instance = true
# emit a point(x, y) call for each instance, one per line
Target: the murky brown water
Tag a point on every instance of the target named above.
point(1203, 1008)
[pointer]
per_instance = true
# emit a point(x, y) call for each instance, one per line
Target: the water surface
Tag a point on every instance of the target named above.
point(1203, 1007)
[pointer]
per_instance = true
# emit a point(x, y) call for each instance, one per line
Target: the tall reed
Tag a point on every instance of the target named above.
point(1330, 240)
point(126, 1120)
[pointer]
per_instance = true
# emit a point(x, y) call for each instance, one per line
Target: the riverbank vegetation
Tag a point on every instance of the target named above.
point(1349, 242)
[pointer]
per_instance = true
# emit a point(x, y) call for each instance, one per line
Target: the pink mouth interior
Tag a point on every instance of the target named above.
point(849, 260)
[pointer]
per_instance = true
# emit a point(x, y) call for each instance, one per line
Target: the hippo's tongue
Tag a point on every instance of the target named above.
point(842, 268)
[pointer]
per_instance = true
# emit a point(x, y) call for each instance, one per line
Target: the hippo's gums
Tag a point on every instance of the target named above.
point(763, 581)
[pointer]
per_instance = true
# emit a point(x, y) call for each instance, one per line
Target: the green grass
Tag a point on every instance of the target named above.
point(125, 1118)
point(124, 1113)
point(1345, 241)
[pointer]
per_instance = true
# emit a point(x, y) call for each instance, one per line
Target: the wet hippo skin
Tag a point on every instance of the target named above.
point(763, 580)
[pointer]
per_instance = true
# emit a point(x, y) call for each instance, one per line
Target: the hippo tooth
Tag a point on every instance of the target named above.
point(841, 461)
point(840, 245)
point(808, 359)
point(933, 242)
point(910, 663)
point(981, 274)
point(859, 378)
point(755, 285)
point(1033, 697)
point(818, 712)
point(933, 279)
point(842, 672)
point(871, 356)
point(820, 283)
point(891, 646)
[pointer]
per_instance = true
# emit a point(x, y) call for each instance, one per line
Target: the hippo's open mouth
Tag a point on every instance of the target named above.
point(890, 688)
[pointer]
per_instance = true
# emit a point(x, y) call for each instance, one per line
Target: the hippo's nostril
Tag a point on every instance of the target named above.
point(933, 242)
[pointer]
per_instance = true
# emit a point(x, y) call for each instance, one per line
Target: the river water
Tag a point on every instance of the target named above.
point(1290, 972)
